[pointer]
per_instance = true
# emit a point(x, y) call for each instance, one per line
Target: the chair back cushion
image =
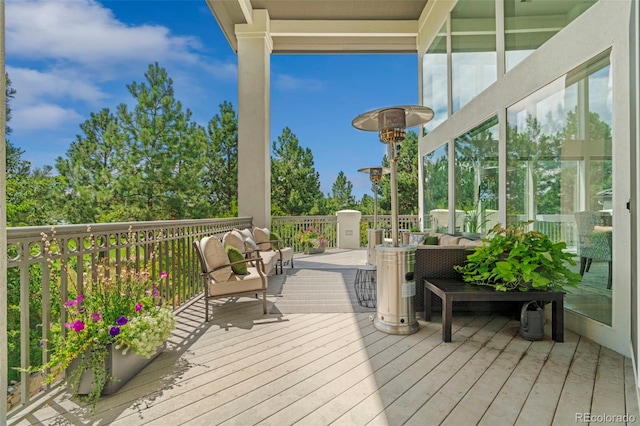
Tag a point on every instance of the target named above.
point(261, 235)
point(214, 256)
point(247, 237)
point(234, 239)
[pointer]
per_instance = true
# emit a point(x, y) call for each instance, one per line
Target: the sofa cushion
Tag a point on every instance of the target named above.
point(449, 240)
point(236, 255)
point(214, 256)
point(469, 243)
point(430, 240)
point(416, 238)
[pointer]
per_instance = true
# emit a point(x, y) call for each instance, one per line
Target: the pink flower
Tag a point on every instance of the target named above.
point(164, 275)
point(96, 317)
point(77, 326)
point(138, 307)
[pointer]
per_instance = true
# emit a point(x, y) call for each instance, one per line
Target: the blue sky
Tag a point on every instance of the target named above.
point(68, 58)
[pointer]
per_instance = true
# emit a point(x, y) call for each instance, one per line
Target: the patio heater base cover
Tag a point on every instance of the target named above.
point(395, 311)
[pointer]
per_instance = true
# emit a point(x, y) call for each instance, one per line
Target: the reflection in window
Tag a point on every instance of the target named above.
point(434, 84)
point(528, 24)
point(473, 50)
point(476, 180)
point(560, 164)
point(436, 189)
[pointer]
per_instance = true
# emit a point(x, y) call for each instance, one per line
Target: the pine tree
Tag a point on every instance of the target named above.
point(220, 179)
point(163, 152)
point(341, 197)
point(295, 183)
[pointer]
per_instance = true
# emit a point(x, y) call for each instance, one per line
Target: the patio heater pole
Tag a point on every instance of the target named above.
point(394, 264)
point(375, 175)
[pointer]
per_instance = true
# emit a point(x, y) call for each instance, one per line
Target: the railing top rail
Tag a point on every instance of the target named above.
point(299, 218)
point(27, 231)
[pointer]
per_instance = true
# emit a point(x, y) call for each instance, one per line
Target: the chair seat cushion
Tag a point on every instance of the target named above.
point(252, 281)
point(287, 254)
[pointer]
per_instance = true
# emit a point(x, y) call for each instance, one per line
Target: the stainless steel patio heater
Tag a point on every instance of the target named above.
point(375, 175)
point(394, 263)
point(374, 235)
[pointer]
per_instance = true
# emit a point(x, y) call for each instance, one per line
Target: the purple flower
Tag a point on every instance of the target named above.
point(164, 275)
point(114, 331)
point(138, 307)
point(78, 326)
point(74, 302)
point(122, 320)
point(160, 303)
point(96, 317)
point(155, 291)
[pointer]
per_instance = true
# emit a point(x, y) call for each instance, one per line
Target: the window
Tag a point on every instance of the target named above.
point(473, 50)
point(434, 84)
point(528, 24)
point(559, 165)
point(436, 189)
point(476, 179)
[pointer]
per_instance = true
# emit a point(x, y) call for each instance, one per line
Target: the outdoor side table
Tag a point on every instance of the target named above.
point(452, 290)
point(365, 286)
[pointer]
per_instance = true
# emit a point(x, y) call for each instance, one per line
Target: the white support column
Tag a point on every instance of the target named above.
point(254, 119)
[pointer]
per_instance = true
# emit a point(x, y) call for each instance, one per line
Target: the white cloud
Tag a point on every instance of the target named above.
point(62, 54)
point(42, 116)
point(87, 33)
point(288, 82)
point(33, 85)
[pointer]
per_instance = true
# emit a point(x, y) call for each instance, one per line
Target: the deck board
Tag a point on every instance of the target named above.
point(321, 368)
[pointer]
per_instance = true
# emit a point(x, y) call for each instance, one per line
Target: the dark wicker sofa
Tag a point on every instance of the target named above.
point(437, 262)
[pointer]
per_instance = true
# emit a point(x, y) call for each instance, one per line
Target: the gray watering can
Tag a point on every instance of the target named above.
point(532, 321)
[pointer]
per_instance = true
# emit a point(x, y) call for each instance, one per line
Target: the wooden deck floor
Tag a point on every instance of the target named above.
point(245, 368)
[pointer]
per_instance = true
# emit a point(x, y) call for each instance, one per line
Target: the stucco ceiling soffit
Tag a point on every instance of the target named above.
point(344, 45)
point(318, 28)
point(301, 21)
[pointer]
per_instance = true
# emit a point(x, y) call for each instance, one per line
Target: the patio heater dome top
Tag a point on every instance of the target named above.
point(375, 173)
point(391, 122)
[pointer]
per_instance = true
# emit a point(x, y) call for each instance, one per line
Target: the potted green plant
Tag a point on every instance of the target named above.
point(474, 221)
point(512, 258)
point(312, 241)
point(114, 326)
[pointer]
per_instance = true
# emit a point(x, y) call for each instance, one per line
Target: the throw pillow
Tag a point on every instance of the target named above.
point(235, 255)
point(430, 240)
point(276, 237)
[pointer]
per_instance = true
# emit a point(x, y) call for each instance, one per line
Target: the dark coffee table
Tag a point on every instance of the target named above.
point(453, 290)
